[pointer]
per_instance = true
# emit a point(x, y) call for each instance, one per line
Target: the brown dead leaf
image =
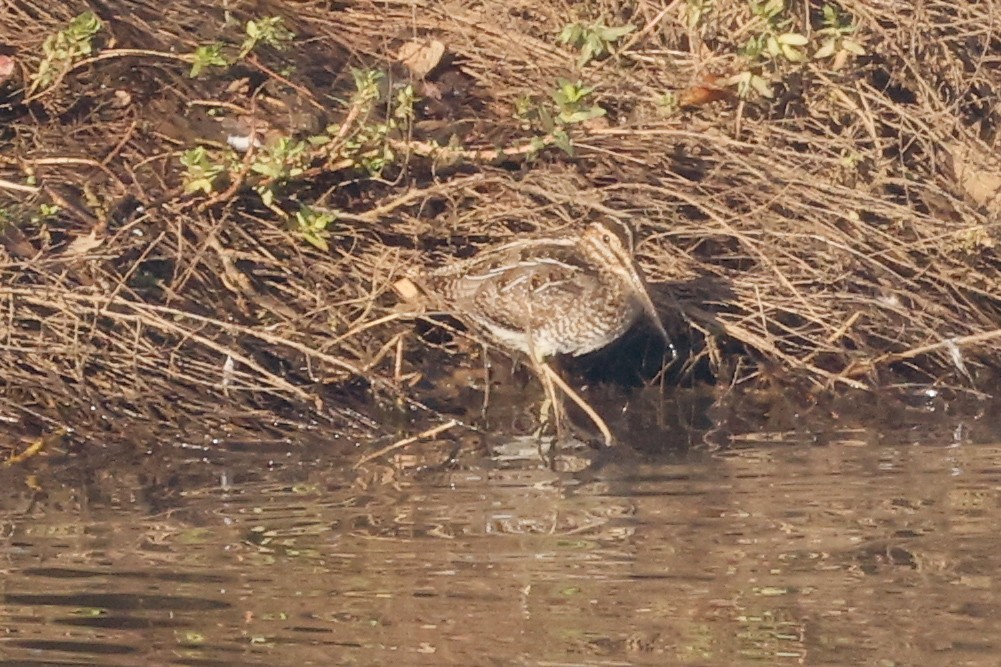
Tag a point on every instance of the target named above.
point(420, 56)
point(407, 290)
point(16, 243)
point(81, 245)
point(978, 172)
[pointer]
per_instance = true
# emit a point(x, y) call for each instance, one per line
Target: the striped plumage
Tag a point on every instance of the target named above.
point(543, 297)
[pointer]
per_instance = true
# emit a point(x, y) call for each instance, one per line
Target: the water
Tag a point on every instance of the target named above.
point(877, 547)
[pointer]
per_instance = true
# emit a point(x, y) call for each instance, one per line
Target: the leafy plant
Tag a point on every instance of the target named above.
point(270, 30)
point(787, 45)
point(593, 40)
point(62, 49)
point(773, 44)
point(205, 56)
point(694, 11)
point(312, 225)
point(369, 146)
point(572, 102)
point(776, 40)
point(366, 85)
point(837, 38)
point(200, 171)
point(748, 81)
point(46, 212)
point(668, 103)
point(277, 163)
point(405, 99)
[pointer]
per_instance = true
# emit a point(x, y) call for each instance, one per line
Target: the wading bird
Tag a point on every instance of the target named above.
point(549, 296)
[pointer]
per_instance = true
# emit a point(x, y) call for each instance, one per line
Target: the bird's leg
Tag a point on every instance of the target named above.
point(555, 402)
point(552, 403)
point(555, 379)
point(486, 384)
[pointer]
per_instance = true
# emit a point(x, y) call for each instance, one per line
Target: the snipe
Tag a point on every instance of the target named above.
point(550, 296)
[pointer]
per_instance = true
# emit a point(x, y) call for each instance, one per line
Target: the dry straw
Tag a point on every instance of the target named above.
point(844, 229)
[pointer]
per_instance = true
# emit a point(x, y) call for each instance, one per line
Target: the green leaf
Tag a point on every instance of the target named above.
point(792, 54)
point(793, 39)
point(762, 86)
point(193, 156)
point(570, 34)
point(853, 47)
point(562, 141)
point(826, 49)
point(208, 55)
point(773, 46)
point(583, 114)
point(317, 242)
point(270, 30)
point(546, 120)
point(592, 40)
point(198, 184)
point(615, 34)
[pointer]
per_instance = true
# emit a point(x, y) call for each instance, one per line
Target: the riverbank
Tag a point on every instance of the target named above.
point(205, 208)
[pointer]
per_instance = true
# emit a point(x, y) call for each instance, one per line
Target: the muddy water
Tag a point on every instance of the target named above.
point(877, 547)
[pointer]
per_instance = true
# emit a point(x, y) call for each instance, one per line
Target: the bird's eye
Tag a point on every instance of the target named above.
point(606, 238)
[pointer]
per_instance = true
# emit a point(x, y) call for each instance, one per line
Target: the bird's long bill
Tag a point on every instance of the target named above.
point(643, 294)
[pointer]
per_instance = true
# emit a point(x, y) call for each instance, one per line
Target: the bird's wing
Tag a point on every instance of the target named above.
point(523, 295)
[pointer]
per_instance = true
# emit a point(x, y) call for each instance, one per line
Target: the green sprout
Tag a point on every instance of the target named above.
point(279, 162)
point(369, 146)
point(200, 171)
point(594, 41)
point(776, 40)
point(46, 212)
point(694, 11)
point(524, 105)
point(787, 45)
point(61, 50)
point(312, 226)
point(270, 31)
point(366, 85)
point(838, 43)
point(571, 100)
point(405, 99)
point(748, 81)
point(208, 55)
point(769, 10)
point(775, 43)
point(668, 103)
point(572, 105)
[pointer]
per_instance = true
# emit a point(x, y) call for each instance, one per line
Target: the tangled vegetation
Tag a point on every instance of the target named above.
point(204, 207)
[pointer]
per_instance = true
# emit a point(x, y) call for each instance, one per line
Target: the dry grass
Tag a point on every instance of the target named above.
point(845, 229)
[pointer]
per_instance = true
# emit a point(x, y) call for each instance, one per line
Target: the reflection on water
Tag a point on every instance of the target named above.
point(871, 549)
